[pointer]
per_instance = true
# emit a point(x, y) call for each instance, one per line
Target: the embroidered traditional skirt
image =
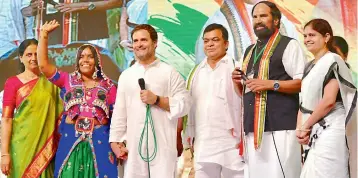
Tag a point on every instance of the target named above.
point(80, 164)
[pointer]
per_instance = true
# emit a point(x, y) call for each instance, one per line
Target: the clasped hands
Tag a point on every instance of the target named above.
point(303, 135)
point(120, 150)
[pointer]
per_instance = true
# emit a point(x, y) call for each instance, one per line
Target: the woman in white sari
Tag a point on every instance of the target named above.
point(326, 123)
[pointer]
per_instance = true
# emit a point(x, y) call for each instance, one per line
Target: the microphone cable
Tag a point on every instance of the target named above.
point(274, 142)
point(145, 133)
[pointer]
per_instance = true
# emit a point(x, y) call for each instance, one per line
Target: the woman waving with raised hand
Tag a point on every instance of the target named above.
point(84, 150)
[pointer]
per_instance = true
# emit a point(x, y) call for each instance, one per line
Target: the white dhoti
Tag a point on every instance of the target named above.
point(265, 162)
point(214, 170)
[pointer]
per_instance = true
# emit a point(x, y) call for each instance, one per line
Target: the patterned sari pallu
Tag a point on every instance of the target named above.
point(34, 140)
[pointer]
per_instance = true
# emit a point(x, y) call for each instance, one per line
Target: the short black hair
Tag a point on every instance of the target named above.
point(275, 12)
point(152, 32)
point(341, 43)
point(216, 26)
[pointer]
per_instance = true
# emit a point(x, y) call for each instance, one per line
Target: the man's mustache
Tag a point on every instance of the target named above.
point(260, 25)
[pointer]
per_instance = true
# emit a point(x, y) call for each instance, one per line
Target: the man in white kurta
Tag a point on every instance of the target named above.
point(214, 119)
point(168, 99)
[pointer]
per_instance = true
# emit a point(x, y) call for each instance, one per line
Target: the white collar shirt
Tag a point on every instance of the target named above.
point(216, 112)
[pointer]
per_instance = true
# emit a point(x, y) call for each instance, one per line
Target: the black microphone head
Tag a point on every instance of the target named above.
point(141, 83)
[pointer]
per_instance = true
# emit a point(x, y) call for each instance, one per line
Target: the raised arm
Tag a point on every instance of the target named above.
point(45, 65)
point(28, 8)
point(85, 6)
point(123, 30)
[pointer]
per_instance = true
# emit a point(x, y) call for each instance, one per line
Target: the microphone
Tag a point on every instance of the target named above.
point(243, 76)
point(141, 83)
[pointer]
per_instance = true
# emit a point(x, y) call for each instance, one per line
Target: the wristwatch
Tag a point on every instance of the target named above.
point(91, 6)
point(157, 100)
point(276, 85)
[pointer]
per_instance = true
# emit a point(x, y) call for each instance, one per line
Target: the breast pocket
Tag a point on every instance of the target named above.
point(219, 89)
point(218, 104)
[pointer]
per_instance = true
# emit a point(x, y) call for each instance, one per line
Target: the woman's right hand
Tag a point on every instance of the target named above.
point(48, 27)
point(5, 164)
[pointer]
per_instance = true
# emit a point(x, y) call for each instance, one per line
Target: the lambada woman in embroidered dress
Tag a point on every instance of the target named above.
point(84, 151)
point(31, 109)
point(327, 105)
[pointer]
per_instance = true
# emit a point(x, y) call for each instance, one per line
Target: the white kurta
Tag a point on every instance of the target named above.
point(328, 155)
point(129, 117)
point(216, 110)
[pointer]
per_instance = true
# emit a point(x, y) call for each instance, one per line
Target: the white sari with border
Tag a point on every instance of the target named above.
point(332, 151)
